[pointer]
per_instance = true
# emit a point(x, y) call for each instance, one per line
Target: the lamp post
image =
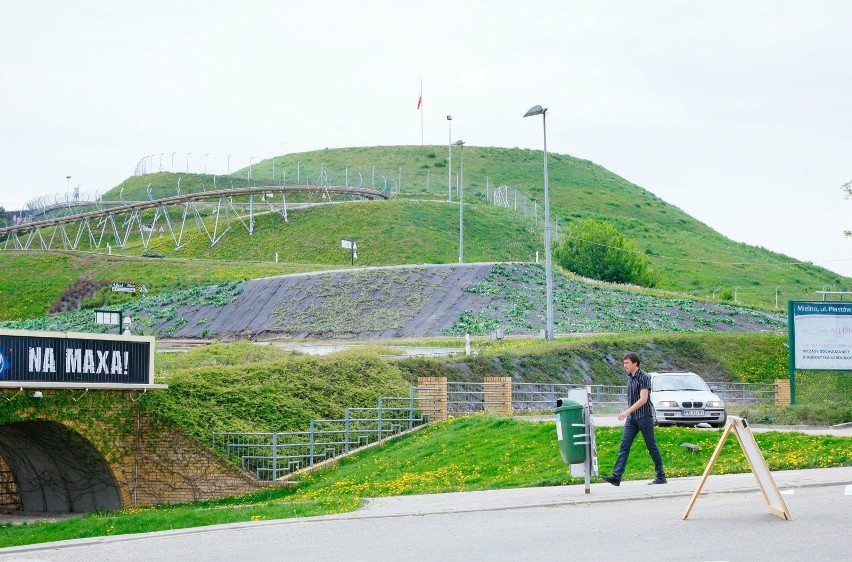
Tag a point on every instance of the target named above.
point(548, 267)
point(67, 184)
point(205, 163)
point(460, 144)
point(450, 160)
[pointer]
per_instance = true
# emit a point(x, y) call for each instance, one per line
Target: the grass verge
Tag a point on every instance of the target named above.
point(471, 453)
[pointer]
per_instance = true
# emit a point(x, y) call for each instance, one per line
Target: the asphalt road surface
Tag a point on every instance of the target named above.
point(721, 526)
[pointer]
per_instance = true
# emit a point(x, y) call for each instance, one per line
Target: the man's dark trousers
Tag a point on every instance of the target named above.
point(632, 427)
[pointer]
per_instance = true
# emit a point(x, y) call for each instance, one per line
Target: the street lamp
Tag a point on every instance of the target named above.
point(68, 184)
point(460, 144)
point(205, 163)
point(450, 160)
point(548, 267)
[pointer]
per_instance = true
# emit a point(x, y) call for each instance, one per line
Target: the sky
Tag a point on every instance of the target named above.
point(738, 112)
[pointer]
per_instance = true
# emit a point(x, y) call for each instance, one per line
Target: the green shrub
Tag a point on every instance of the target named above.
point(598, 250)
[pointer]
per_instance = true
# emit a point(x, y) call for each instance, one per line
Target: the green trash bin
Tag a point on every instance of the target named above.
point(570, 431)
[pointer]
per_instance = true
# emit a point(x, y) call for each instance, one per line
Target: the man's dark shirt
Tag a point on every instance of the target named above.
point(636, 383)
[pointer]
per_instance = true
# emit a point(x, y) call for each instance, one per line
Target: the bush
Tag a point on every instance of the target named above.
point(598, 250)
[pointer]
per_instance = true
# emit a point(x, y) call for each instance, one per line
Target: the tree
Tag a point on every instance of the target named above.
point(598, 250)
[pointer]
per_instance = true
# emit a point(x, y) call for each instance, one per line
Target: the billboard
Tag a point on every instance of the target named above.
point(821, 335)
point(63, 360)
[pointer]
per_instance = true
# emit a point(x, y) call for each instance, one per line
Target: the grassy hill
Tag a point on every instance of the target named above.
point(691, 256)
point(418, 227)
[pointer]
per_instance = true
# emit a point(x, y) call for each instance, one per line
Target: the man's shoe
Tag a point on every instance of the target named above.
point(612, 480)
point(658, 481)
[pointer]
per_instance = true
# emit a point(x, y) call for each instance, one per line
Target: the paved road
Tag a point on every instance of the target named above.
point(729, 522)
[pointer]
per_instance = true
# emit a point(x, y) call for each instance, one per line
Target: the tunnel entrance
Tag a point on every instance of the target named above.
point(47, 467)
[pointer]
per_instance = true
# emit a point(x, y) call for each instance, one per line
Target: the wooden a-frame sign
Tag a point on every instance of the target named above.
point(755, 460)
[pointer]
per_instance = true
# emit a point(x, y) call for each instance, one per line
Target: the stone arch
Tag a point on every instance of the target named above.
point(55, 469)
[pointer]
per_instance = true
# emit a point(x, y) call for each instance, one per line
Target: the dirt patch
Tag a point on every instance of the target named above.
point(81, 289)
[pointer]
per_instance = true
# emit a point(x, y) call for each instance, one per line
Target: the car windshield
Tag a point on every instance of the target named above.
point(678, 382)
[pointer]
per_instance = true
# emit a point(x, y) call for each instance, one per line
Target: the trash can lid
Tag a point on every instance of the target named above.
point(567, 404)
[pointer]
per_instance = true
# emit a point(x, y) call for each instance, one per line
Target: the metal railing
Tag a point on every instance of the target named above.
point(744, 392)
point(271, 456)
point(465, 397)
point(469, 397)
point(542, 396)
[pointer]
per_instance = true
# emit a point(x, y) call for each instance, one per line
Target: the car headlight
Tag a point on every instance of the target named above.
point(715, 404)
point(668, 404)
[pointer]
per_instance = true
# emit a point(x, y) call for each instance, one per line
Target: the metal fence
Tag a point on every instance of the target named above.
point(744, 392)
point(469, 397)
point(465, 397)
point(273, 455)
point(538, 396)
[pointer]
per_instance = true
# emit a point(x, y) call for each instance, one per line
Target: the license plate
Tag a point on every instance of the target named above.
point(697, 413)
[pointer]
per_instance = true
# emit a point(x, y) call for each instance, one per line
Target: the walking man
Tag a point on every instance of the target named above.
point(638, 417)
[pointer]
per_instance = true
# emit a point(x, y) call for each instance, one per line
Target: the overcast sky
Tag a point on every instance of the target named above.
point(738, 112)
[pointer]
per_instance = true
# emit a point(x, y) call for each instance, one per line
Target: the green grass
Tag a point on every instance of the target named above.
point(387, 233)
point(470, 453)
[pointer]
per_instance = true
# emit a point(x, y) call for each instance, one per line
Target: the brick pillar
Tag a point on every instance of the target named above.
point(498, 395)
point(432, 397)
point(782, 392)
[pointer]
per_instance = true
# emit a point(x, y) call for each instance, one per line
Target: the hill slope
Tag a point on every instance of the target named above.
point(690, 255)
point(414, 301)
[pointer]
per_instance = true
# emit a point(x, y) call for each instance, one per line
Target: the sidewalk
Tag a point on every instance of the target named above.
point(386, 510)
point(518, 498)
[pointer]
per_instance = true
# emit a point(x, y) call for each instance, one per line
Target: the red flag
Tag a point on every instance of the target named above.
point(419, 101)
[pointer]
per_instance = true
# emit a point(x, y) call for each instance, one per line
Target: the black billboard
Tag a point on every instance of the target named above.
point(64, 358)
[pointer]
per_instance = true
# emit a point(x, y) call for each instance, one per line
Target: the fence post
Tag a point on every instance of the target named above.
point(311, 444)
point(497, 397)
point(410, 407)
point(782, 392)
point(346, 431)
point(433, 391)
point(380, 418)
point(274, 456)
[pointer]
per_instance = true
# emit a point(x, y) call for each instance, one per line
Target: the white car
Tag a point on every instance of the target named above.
point(685, 399)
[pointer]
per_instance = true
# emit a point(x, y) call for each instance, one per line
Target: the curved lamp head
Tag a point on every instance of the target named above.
point(535, 110)
point(459, 143)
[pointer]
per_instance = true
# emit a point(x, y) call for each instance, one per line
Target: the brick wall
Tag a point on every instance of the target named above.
point(498, 395)
point(432, 397)
point(782, 392)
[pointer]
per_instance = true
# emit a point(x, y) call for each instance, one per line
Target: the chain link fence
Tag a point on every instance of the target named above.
point(824, 387)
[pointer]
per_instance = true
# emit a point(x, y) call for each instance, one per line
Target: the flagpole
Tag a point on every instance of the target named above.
point(421, 112)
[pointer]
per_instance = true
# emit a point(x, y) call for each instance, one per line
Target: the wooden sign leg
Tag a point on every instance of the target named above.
point(710, 464)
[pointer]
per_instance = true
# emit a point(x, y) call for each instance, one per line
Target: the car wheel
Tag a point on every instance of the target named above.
point(720, 423)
